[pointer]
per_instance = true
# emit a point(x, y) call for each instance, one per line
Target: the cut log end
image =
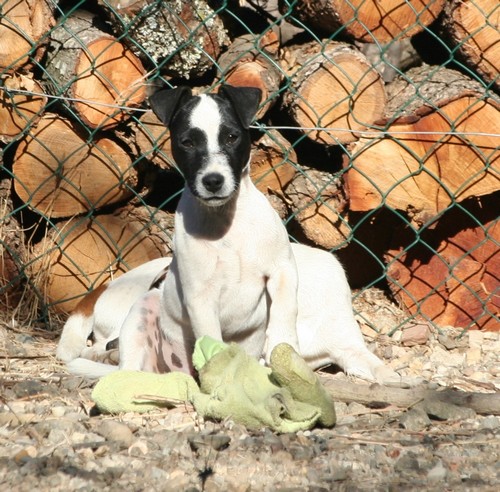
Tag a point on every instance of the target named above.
point(22, 25)
point(458, 284)
point(335, 91)
point(17, 111)
point(92, 253)
point(108, 75)
point(59, 175)
point(425, 167)
point(472, 26)
point(368, 20)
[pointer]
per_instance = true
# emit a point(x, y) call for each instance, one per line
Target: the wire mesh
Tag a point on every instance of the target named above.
point(170, 43)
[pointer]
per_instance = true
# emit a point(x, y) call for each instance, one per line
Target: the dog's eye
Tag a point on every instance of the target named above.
point(187, 143)
point(231, 138)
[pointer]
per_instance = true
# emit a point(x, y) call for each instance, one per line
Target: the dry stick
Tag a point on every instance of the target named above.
point(482, 403)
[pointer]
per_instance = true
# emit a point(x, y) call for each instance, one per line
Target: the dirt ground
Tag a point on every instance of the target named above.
point(52, 439)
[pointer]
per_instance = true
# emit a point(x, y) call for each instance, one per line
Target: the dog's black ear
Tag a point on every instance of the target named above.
point(245, 101)
point(165, 102)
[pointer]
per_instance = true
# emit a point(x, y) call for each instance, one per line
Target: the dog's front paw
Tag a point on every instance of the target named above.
point(365, 365)
point(386, 376)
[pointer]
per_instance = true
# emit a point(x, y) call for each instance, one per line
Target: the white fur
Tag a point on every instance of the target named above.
point(220, 287)
point(236, 277)
point(110, 311)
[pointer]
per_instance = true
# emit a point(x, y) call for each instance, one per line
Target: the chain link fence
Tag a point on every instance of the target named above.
point(377, 139)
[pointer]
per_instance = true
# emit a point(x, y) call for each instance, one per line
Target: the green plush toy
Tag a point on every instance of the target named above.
point(286, 397)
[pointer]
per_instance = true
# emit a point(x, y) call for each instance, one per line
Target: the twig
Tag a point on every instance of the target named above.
point(482, 403)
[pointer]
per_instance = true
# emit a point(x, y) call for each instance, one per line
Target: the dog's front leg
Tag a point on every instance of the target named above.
point(190, 298)
point(204, 318)
point(282, 324)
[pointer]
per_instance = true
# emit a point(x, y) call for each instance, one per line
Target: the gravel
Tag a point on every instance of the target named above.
point(51, 437)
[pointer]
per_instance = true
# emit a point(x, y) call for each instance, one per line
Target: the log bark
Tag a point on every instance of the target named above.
point(318, 204)
point(367, 20)
point(452, 275)
point(22, 26)
point(246, 65)
point(153, 140)
point(333, 87)
point(95, 69)
point(164, 32)
point(18, 111)
point(392, 59)
point(13, 252)
point(473, 28)
point(83, 254)
point(422, 174)
point(59, 174)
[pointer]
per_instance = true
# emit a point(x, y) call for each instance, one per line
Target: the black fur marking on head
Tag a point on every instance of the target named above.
point(164, 103)
point(245, 102)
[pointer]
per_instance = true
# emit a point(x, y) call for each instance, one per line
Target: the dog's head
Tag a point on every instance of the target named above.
point(209, 136)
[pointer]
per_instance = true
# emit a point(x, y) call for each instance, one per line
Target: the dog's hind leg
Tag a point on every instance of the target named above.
point(328, 332)
point(144, 346)
point(74, 336)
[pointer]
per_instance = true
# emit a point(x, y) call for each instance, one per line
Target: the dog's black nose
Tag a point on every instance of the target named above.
point(213, 182)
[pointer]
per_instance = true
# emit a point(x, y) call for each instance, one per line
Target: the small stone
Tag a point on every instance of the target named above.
point(58, 411)
point(26, 454)
point(441, 410)
point(396, 337)
point(138, 448)
point(339, 474)
point(407, 462)
point(443, 358)
point(415, 335)
point(301, 453)
point(451, 343)
point(437, 473)
point(473, 356)
point(476, 338)
point(116, 431)
point(272, 441)
point(29, 387)
point(158, 474)
point(414, 420)
point(416, 365)
point(368, 331)
point(387, 352)
point(85, 438)
point(490, 423)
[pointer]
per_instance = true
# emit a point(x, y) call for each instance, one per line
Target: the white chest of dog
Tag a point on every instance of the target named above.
point(234, 275)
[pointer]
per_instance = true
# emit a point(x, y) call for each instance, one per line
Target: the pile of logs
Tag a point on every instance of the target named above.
point(398, 173)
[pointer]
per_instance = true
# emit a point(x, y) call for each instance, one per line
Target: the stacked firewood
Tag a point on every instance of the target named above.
point(390, 161)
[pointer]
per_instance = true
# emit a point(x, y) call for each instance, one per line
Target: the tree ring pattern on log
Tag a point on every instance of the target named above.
point(334, 88)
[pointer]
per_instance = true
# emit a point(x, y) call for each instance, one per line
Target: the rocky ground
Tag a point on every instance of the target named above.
point(51, 439)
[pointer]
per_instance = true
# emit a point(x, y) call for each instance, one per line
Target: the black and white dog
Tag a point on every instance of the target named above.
point(234, 274)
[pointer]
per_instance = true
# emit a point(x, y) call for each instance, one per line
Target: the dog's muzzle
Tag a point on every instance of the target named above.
point(213, 182)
